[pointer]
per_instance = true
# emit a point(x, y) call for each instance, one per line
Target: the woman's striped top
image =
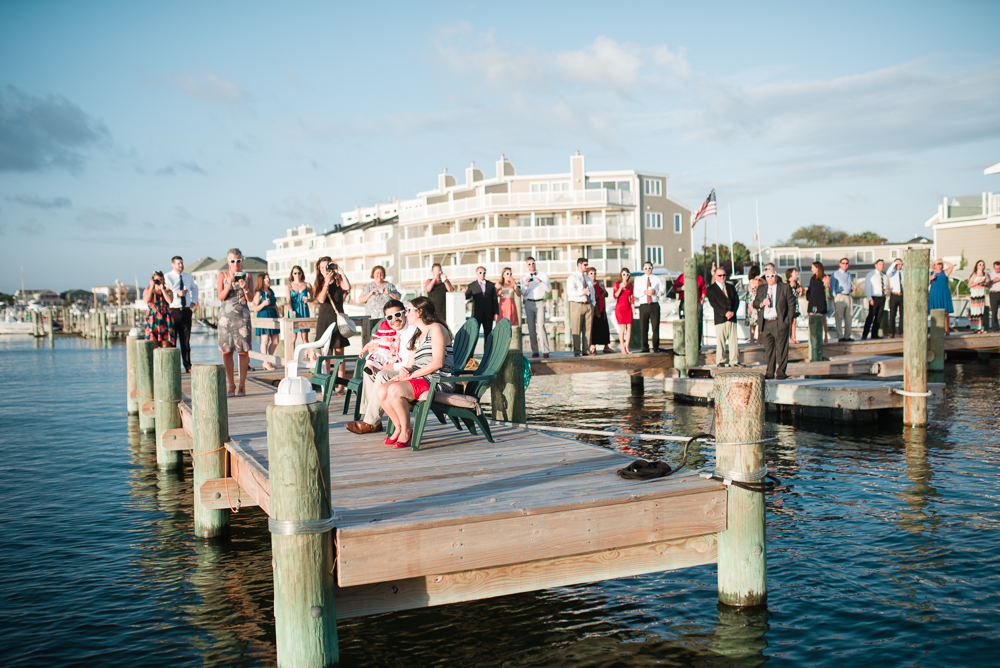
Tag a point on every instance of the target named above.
point(424, 354)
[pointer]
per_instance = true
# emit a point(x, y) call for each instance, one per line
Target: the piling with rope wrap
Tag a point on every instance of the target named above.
point(305, 614)
point(210, 418)
point(915, 287)
point(692, 346)
point(144, 380)
point(507, 395)
point(739, 432)
point(166, 400)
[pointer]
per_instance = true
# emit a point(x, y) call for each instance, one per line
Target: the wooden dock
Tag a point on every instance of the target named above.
point(883, 366)
point(842, 400)
point(462, 519)
point(649, 365)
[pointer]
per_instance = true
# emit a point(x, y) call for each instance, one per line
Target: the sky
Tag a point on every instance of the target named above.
point(131, 132)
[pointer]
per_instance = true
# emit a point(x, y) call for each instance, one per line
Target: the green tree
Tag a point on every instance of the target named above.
point(706, 258)
point(6, 299)
point(865, 238)
point(815, 235)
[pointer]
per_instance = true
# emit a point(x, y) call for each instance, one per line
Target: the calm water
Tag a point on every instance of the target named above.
point(882, 545)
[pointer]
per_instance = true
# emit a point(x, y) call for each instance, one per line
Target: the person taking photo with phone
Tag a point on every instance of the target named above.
point(234, 320)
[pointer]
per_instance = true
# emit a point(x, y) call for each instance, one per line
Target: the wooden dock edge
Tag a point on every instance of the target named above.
point(472, 585)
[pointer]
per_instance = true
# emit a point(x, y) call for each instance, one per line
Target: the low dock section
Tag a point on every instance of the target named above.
point(883, 366)
point(462, 519)
point(649, 365)
point(843, 400)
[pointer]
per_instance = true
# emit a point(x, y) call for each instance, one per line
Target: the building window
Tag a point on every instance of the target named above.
point(653, 187)
point(818, 257)
point(786, 260)
point(894, 253)
point(539, 187)
point(524, 221)
point(654, 254)
point(654, 221)
point(545, 221)
point(560, 186)
point(677, 223)
point(864, 257)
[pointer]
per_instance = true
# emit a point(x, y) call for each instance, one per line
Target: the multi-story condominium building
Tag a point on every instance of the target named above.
point(205, 272)
point(615, 219)
point(366, 238)
point(968, 226)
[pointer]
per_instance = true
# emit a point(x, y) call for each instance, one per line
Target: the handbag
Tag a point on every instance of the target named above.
point(345, 325)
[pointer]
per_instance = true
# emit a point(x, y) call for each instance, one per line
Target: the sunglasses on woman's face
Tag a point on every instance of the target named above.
point(398, 315)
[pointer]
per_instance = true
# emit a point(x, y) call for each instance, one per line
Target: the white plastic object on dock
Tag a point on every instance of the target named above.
point(294, 391)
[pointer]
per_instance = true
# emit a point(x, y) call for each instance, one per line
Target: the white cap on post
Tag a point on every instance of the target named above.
point(294, 391)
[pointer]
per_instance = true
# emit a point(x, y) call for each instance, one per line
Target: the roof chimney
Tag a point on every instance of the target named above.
point(445, 180)
point(472, 175)
point(504, 168)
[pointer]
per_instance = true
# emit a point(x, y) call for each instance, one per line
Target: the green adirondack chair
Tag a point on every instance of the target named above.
point(465, 343)
point(464, 405)
point(356, 384)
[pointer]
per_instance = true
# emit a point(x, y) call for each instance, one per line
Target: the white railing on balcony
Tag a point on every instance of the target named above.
point(519, 236)
point(994, 205)
point(461, 274)
point(415, 211)
point(356, 250)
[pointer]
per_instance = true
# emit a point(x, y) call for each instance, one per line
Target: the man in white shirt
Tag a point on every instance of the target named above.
point(185, 298)
point(994, 307)
point(895, 276)
point(580, 292)
point(646, 291)
point(534, 286)
point(875, 289)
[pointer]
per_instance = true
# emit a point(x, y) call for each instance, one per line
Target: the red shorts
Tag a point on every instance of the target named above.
point(420, 386)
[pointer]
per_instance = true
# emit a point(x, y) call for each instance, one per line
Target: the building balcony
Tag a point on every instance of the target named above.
point(970, 207)
point(462, 274)
point(355, 250)
point(415, 211)
point(517, 236)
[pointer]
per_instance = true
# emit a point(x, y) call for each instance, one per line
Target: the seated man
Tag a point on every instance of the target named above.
point(371, 420)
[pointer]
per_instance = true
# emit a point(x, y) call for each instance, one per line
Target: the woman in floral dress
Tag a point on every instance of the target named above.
point(752, 320)
point(978, 283)
point(234, 320)
point(159, 322)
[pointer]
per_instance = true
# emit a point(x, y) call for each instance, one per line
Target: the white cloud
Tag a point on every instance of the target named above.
point(211, 88)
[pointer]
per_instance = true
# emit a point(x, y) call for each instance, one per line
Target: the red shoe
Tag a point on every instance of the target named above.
point(389, 440)
point(403, 444)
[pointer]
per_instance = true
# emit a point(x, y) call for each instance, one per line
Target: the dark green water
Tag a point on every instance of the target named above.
point(882, 545)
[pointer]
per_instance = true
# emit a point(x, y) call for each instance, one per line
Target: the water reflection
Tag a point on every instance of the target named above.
point(739, 635)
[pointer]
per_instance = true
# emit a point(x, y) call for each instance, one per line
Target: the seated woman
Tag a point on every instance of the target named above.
point(432, 358)
point(371, 421)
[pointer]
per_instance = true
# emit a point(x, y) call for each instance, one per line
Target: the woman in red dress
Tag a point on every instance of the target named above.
point(623, 308)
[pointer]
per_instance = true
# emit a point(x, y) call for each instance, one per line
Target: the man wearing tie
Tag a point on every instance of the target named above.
point(534, 286)
point(725, 302)
point(776, 304)
point(185, 298)
point(895, 276)
point(646, 291)
point(875, 289)
point(485, 305)
point(580, 292)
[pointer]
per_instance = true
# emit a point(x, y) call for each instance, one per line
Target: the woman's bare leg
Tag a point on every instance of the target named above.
point(227, 361)
point(382, 392)
point(339, 351)
point(398, 398)
point(244, 367)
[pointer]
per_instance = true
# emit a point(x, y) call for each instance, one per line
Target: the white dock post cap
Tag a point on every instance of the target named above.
point(135, 332)
point(294, 391)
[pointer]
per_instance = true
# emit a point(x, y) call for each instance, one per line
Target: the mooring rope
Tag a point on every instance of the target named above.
point(301, 527)
point(594, 432)
point(907, 393)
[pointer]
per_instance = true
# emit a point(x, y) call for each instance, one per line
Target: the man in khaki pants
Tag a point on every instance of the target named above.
point(580, 292)
point(843, 308)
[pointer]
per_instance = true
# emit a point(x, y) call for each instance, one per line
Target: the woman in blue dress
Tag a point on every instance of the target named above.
point(297, 301)
point(266, 306)
point(939, 294)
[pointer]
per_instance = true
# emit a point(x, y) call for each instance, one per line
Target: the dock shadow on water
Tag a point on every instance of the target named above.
point(881, 543)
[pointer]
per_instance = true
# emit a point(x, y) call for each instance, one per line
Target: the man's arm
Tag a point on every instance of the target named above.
point(468, 291)
point(759, 297)
point(789, 305)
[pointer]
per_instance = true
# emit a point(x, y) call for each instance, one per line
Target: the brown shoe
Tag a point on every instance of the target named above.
point(891, 336)
point(362, 428)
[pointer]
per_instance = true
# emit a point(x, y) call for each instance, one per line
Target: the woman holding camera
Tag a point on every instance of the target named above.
point(234, 320)
point(330, 288)
point(159, 322)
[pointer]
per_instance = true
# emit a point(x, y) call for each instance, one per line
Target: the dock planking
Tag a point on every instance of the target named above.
point(463, 519)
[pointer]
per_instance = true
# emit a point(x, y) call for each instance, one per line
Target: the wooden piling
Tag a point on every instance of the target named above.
point(817, 324)
point(131, 405)
point(680, 359)
point(692, 346)
point(166, 397)
point(742, 547)
point(144, 380)
point(935, 342)
point(52, 328)
point(637, 385)
point(507, 389)
point(305, 616)
point(210, 417)
point(917, 263)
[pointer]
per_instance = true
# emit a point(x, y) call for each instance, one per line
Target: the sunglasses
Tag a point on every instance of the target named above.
point(480, 272)
point(398, 315)
point(531, 264)
point(770, 275)
point(721, 275)
point(235, 261)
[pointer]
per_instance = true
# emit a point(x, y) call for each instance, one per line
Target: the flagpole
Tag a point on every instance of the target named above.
point(756, 204)
point(732, 254)
point(716, 232)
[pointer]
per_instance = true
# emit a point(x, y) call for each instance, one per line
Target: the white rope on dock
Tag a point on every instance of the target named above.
point(567, 430)
point(907, 393)
point(729, 476)
point(300, 527)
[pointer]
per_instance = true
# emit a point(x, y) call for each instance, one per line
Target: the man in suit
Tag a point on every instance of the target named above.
point(875, 289)
point(725, 302)
point(776, 305)
point(485, 305)
point(185, 298)
point(582, 299)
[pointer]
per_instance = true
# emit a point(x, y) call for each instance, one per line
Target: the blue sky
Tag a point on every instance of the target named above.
point(130, 132)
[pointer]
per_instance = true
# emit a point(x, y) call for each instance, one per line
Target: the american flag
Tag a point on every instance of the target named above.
point(707, 209)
